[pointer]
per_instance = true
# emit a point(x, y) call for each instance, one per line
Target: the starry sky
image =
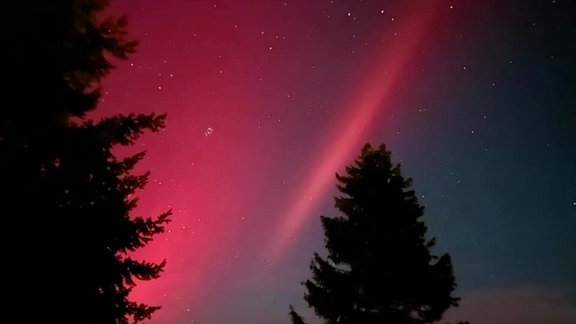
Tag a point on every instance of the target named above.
point(267, 99)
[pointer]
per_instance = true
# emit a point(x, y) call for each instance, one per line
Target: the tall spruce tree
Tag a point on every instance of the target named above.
point(379, 267)
point(67, 199)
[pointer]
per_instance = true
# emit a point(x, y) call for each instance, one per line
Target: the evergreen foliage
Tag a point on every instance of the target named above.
point(294, 317)
point(67, 199)
point(379, 267)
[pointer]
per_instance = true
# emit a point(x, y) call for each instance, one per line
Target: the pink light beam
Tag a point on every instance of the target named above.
point(347, 134)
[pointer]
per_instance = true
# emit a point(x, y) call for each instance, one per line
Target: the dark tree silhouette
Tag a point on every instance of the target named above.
point(379, 268)
point(294, 317)
point(67, 199)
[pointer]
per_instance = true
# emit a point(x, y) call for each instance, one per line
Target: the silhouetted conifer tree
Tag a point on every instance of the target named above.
point(66, 198)
point(294, 317)
point(379, 268)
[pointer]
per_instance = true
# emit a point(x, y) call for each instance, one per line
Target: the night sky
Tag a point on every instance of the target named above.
point(267, 99)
